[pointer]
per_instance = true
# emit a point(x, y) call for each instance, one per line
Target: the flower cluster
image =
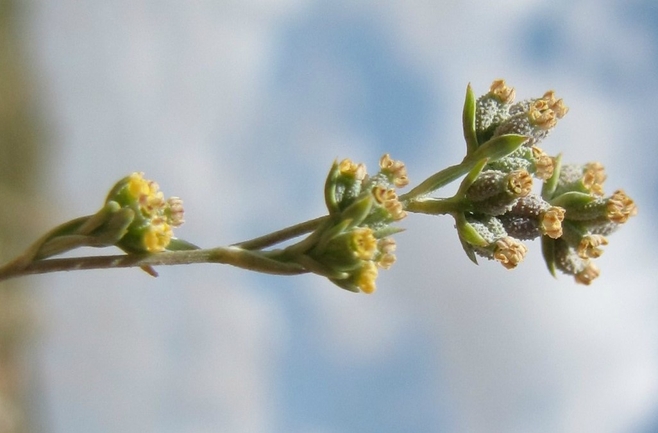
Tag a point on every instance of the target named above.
point(151, 229)
point(499, 208)
point(589, 218)
point(355, 242)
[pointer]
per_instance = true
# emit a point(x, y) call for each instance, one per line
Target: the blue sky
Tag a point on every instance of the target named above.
point(240, 108)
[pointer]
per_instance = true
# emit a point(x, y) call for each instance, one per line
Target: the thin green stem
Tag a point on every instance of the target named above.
point(436, 206)
point(282, 235)
point(234, 256)
point(438, 180)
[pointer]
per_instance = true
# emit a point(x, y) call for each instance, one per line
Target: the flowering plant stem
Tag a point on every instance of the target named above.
point(235, 256)
point(494, 210)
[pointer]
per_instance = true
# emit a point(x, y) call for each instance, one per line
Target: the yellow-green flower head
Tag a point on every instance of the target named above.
point(347, 250)
point(396, 171)
point(509, 252)
point(151, 229)
point(364, 244)
point(388, 199)
point(156, 237)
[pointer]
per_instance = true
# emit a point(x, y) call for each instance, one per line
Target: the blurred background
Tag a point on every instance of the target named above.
point(239, 107)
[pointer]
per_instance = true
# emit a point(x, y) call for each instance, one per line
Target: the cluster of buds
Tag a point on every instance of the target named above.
point(589, 218)
point(498, 209)
point(355, 242)
point(151, 229)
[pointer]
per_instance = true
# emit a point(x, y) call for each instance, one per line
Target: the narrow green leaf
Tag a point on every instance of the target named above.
point(468, 119)
point(468, 249)
point(346, 285)
point(467, 232)
point(471, 177)
point(358, 211)
point(572, 199)
point(180, 245)
point(548, 251)
point(318, 268)
point(330, 189)
point(498, 147)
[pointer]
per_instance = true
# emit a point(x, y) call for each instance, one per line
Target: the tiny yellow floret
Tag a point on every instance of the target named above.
point(396, 169)
point(502, 92)
point(364, 243)
point(544, 165)
point(138, 186)
point(509, 252)
point(588, 274)
point(157, 237)
point(589, 246)
point(620, 207)
point(348, 168)
point(366, 279)
point(551, 222)
point(519, 183)
point(593, 177)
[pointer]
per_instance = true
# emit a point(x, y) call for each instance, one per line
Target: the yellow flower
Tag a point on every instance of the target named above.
point(396, 169)
point(544, 165)
point(348, 168)
point(509, 252)
point(389, 200)
point(589, 246)
point(364, 243)
point(155, 217)
point(620, 207)
point(519, 183)
point(138, 186)
point(551, 222)
point(593, 177)
point(557, 105)
point(500, 90)
point(157, 237)
point(366, 277)
point(545, 111)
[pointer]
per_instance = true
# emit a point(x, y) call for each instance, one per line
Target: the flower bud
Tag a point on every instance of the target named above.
point(151, 229)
